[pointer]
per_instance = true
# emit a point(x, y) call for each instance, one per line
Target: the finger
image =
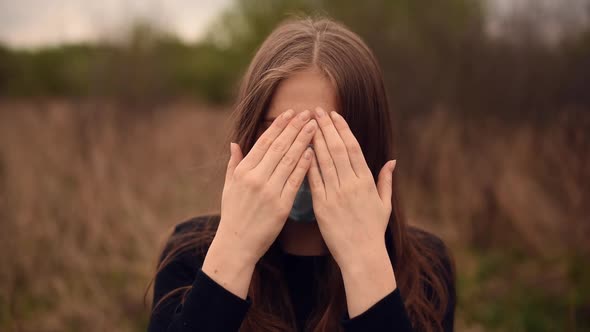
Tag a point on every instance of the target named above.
point(316, 183)
point(296, 178)
point(327, 167)
point(335, 145)
point(355, 153)
point(281, 145)
point(290, 159)
point(265, 140)
point(234, 159)
point(385, 183)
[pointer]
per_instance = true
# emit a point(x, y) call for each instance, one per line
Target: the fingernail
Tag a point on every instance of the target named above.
point(320, 112)
point(307, 154)
point(393, 163)
point(288, 114)
point(334, 115)
point(310, 126)
point(304, 116)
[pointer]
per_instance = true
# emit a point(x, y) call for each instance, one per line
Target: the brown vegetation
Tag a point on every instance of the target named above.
point(87, 196)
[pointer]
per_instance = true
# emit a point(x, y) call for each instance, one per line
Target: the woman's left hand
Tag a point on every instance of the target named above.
point(352, 211)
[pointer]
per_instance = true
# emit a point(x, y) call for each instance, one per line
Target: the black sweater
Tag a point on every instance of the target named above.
point(210, 307)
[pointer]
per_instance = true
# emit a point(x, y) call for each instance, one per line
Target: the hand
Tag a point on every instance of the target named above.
point(258, 194)
point(351, 210)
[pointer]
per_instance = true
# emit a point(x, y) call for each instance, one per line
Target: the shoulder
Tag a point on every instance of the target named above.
point(202, 223)
point(440, 259)
point(431, 242)
point(434, 249)
point(182, 255)
point(429, 239)
point(190, 239)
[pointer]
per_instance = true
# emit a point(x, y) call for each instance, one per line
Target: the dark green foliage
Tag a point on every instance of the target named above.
point(433, 53)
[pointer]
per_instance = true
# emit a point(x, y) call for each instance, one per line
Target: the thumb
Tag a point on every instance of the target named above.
point(235, 157)
point(385, 183)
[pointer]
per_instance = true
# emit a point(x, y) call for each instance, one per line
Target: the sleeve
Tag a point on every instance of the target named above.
point(448, 322)
point(206, 307)
point(388, 314)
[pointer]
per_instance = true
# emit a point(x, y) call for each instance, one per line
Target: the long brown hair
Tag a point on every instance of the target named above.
point(349, 64)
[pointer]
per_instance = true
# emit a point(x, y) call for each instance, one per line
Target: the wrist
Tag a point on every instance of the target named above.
point(228, 268)
point(367, 280)
point(226, 243)
point(373, 263)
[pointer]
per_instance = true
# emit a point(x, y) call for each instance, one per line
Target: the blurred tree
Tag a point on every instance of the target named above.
point(433, 53)
point(419, 42)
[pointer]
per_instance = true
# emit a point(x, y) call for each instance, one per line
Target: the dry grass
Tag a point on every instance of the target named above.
point(86, 203)
point(88, 196)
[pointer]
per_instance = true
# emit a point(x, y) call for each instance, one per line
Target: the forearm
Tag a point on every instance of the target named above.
point(367, 280)
point(229, 269)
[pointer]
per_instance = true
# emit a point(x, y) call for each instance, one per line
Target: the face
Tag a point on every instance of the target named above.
point(304, 90)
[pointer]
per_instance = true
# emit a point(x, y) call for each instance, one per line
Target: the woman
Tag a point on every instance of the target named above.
point(310, 236)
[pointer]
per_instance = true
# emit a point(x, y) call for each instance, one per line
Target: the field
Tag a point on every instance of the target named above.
point(88, 194)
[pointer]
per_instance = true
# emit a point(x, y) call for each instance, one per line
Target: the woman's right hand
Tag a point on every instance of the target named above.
point(257, 197)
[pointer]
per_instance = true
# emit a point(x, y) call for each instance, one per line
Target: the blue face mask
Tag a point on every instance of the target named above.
point(302, 210)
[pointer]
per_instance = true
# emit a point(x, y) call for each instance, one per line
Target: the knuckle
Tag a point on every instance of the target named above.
point(253, 181)
point(316, 183)
point(264, 142)
point(355, 150)
point(304, 164)
point(293, 182)
point(328, 165)
point(295, 125)
point(338, 149)
point(287, 160)
point(267, 194)
point(278, 146)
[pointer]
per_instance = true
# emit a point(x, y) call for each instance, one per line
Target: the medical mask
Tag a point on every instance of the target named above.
point(302, 210)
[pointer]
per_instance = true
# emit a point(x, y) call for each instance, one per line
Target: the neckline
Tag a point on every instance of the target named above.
point(303, 257)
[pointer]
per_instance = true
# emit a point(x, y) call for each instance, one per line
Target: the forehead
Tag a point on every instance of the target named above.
point(304, 90)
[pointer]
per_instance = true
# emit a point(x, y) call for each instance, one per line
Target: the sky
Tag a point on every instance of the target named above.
point(33, 23)
point(549, 16)
point(36, 23)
